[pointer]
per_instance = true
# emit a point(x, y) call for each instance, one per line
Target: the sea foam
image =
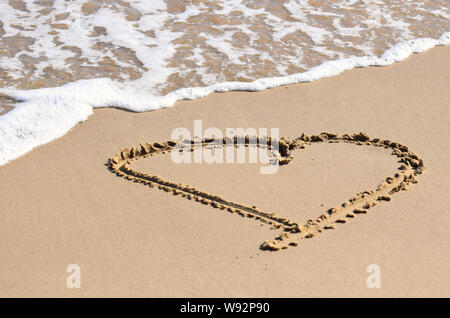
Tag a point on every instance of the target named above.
point(61, 59)
point(45, 114)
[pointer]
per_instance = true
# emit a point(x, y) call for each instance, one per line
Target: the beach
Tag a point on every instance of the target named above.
point(61, 205)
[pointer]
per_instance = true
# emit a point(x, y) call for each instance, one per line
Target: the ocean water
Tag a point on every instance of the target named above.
point(59, 59)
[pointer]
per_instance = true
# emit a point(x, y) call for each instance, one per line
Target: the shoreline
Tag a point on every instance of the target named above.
point(66, 106)
point(62, 206)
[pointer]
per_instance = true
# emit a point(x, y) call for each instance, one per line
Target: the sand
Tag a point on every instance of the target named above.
point(281, 153)
point(61, 204)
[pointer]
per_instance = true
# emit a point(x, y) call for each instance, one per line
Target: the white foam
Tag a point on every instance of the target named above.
point(48, 113)
point(277, 35)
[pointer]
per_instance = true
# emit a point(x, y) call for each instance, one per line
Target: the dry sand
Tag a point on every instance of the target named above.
point(60, 204)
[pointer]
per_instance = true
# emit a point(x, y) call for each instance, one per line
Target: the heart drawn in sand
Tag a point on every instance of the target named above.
point(291, 232)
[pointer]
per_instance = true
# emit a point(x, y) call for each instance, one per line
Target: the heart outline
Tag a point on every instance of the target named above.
point(292, 232)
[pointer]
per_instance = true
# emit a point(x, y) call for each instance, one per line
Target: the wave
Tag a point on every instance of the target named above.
point(45, 114)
